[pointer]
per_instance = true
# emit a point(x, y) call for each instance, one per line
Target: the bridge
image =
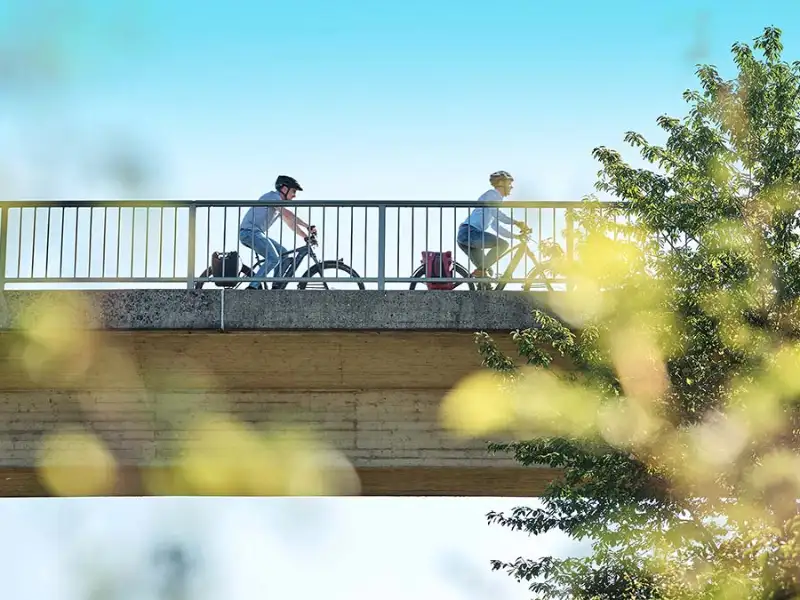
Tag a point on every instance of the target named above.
point(360, 371)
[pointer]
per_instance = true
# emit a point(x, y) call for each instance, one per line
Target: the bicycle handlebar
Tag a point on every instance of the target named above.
point(524, 232)
point(311, 238)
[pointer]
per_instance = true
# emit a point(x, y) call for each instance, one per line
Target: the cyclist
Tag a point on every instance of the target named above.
point(256, 223)
point(474, 237)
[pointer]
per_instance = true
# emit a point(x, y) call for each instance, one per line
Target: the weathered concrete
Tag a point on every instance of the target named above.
point(366, 369)
point(23, 482)
point(371, 395)
point(383, 428)
point(238, 310)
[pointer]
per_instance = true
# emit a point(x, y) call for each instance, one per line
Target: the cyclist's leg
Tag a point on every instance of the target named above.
point(278, 248)
point(475, 243)
point(476, 255)
point(279, 251)
point(468, 239)
point(496, 245)
point(262, 246)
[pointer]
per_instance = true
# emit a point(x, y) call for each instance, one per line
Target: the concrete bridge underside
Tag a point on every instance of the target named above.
point(141, 366)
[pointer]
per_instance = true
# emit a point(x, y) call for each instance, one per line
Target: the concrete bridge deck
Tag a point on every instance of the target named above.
point(238, 310)
point(366, 368)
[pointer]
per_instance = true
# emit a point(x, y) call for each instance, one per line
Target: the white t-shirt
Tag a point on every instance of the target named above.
point(260, 218)
point(485, 217)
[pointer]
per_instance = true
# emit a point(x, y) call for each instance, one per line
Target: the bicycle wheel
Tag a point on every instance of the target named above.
point(331, 269)
point(458, 271)
point(536, 280)
point(243, 272)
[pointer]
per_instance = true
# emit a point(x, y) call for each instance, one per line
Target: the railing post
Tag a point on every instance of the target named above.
point(191, 249)
point(381, 246)
point(570, 243)
point(3, 245)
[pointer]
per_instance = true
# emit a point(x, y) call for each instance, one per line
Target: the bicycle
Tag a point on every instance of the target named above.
point(287, 267)
point(536, 277)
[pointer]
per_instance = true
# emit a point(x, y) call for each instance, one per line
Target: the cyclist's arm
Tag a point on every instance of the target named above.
point(504, 218)
point(501, 231)
point(501, 217)
point(292, 220)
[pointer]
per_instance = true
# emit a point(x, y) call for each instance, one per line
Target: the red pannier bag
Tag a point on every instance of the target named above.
point(438, 265)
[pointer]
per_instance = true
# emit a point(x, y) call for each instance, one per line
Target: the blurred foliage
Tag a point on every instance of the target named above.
point(184, 443)
point(51, 52)
point(665, 383)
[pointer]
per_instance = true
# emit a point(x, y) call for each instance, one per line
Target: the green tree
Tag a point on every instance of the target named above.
point(665, 384)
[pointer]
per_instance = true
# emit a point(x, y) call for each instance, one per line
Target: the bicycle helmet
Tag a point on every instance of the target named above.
point(290, 182)
point(499, 176)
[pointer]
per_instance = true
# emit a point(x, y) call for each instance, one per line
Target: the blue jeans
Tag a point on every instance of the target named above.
point(264, 246)
point(475, 243)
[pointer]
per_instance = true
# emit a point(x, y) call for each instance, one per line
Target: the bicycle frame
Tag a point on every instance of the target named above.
point(288, 262)
point(519, 251)
point(286, 269)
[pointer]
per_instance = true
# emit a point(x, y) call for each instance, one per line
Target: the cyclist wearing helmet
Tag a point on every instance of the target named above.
point(256, 223)
point(474, 237)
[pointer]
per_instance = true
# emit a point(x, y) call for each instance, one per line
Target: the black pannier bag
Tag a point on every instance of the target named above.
point(225, 264)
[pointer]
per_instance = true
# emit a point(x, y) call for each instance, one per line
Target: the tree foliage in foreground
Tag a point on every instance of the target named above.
point(665, 384)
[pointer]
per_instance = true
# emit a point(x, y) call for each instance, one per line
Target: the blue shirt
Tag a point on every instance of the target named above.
point(260, 218)
point(485, 217)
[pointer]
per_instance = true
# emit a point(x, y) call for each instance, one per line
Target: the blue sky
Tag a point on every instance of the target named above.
point(394, 100)
point(357, 99)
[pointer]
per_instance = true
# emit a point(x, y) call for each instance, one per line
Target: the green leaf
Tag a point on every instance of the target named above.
point(710, 273)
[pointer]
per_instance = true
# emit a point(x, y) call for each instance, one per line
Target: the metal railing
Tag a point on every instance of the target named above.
point(100, 244)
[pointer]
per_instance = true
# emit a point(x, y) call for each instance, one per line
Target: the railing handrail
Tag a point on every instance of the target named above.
point(110, 203)
point(387, 210)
